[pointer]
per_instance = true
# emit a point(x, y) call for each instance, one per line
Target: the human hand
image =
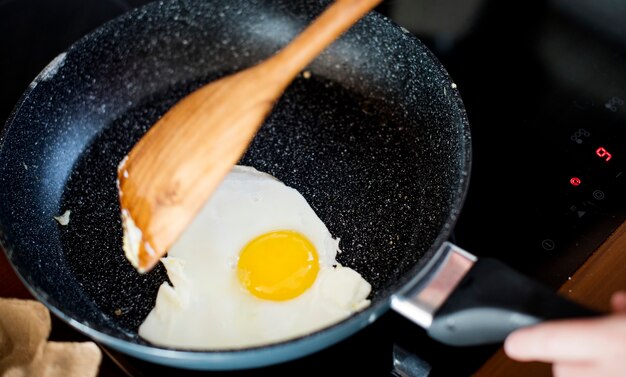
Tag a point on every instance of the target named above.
point(576, 347)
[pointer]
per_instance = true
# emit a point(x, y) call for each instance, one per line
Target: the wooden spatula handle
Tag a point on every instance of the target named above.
point(172, 171)
point(333, 22)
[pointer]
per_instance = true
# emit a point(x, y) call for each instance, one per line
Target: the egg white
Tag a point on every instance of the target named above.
point(208, 308)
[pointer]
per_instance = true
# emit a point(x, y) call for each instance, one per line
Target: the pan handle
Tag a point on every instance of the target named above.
point(465, 301)
point(492, 301)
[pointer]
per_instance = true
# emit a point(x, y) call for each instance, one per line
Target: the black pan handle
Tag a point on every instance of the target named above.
point(492, 300)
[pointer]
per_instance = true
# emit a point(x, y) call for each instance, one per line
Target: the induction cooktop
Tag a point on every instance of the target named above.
point(544, 85)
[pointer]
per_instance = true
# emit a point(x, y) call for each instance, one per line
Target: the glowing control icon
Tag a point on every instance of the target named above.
point(603, 153)
point(575, 181)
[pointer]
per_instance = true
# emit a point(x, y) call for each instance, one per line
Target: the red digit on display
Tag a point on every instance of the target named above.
point(603, 153)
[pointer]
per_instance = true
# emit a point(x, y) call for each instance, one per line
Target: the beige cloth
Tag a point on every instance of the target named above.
point(24, 350)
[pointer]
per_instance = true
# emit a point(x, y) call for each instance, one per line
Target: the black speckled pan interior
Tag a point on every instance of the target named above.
point(376, 139)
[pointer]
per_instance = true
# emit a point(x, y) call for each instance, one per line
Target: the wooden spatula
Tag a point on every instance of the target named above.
point(172, 171)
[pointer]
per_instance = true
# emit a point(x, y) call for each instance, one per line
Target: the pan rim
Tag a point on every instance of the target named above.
point(217, 360)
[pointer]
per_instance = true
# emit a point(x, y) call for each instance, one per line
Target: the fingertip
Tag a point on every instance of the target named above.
point(573, 340)
point(509, 345)
point(618, 301)
point(515, 344)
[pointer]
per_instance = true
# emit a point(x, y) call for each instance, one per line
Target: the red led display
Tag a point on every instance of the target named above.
point(575, 181)
point(603, 153)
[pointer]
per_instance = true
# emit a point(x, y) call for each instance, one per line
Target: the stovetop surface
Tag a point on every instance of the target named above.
point(544, 85)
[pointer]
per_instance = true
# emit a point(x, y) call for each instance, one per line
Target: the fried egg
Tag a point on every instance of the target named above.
point(256, 266)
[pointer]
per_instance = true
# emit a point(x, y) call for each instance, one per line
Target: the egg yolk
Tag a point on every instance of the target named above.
point(278, 265)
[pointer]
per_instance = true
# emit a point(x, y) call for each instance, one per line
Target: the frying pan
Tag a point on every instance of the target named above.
point(376, 139)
